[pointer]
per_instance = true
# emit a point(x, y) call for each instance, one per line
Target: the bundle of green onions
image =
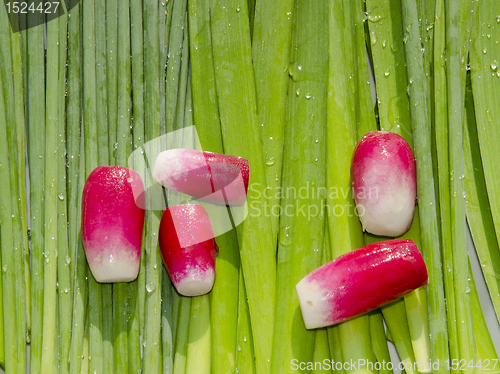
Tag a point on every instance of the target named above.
point(286, 85)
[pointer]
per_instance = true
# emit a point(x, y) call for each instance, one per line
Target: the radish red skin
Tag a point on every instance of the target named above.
point(188, 248)
point(384, 184)
point(112, 223)
point(203, 175)
point(359, 281)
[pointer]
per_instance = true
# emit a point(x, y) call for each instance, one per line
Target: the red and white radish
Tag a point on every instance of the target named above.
point(188, 248)
point(112, 223)
point(212, 177)
point(360, 281)
point(384, 183)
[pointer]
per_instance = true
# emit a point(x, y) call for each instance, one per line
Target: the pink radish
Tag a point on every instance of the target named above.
point(188, 248)
point(384, 183)
point(112, 223)
point(212, 177)
point(360, 281)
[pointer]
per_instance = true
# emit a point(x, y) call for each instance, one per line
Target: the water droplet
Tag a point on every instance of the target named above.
point(383, 44)
point(150, 287)
point(316, 141)
point(377, 14)
point(387, 73)
point(308, 96)
point(4, 268)
point(238, 9)
point(286, 239)
point(298, 91)
point(244, 338)
point(271, 161)
point(467, 66)
point(239, 349)
point(494, 65)
point(68, 259)
point(484, 50)
point(61, 196)
point(489, 116)
point(373, 38)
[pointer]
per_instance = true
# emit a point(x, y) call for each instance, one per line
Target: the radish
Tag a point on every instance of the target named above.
point(188, 248)
point(112, 223)
point(359, 281)
point(212, 177)
point(384, 183)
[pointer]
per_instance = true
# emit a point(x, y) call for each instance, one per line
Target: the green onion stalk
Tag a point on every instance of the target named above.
point(387, 52)
point(344, 230)
point(75, 183)
point(64, 281)
point(8, 260)
point(231, 45)
point(167, 323)
point(245, 351)
point(79, 332)
point(457, 191)
point(484, 57)
point(301, 236)
point(484, 348)
point(137, 85)
point(271, 43)
point(442, 150)
point(430, 241)
point(152, 354)
point(103, 145)
point(73, 118)
point(14, 116)
point(111, 75)
point(36, 154)
point(20, 125)
point(90, 141)
point(50, 341)
point(478, 207)
point(224, 295)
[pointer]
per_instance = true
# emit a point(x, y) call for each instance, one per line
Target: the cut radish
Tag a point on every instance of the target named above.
point(384, 183)
point(360, 281)
point(212, 177)
point(188, 248)
point(112, 223)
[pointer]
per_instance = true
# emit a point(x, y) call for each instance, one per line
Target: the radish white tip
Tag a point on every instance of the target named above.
point(115, 270)
point(196, 286)
point(311, 302)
